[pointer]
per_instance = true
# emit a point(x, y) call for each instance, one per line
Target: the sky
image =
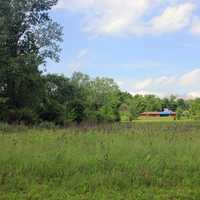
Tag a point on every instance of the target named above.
point(146, 46)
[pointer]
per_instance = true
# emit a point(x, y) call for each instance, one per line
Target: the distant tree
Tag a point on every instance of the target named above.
point(139, 103)
point(104, 99)
point(187, 114)
point(179, 113)
point(125, 113)
point(57, 93)
point(181, 103)
point(195, 109)
point(127, 107)
point(76, 108)
point(165, 103)
point(173, 103)
point(153, 103)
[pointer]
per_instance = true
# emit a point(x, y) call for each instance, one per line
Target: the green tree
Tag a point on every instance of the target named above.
point(173, 103)
point(139, 103)
point(104, 99)
point(153, 103)
point(181, 103)
point(195, 109)
point(28, 36)
point(179, 113)
point(186, 114)
point(165, 103)
point(76, 108)
point(57, 92)
point(132, 105)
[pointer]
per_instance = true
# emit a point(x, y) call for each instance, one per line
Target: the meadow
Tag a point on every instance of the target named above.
point(132, 161)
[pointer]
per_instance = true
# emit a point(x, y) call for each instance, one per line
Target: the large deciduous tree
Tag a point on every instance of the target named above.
point(28, 36)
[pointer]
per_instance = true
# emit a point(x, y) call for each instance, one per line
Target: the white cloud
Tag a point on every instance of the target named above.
point(82, 53)
point(185, 85)
point(74, 4)
point(174, 18)
point(149, 92)
point(120, 83)
point(195, 29)
point(117, 16)
point(144, 84)
point(194, 94)
point(191, 79)
point(79, 60)
point(137, 17)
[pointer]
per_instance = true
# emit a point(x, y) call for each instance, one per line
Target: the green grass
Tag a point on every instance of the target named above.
point(161, 119)
point(149, 118)
point(141, 161)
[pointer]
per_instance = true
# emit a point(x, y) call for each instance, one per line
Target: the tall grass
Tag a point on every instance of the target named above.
point(110, 161)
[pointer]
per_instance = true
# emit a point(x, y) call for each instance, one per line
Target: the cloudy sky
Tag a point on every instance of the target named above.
point(147, 46)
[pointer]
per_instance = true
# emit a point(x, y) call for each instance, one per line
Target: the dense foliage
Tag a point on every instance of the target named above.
point(28, 37)
point(80, 98)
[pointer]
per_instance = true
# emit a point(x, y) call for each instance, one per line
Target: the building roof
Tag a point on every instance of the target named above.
point(159, 113)
point(150, 113)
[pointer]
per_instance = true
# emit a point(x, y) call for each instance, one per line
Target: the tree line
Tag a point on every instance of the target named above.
point(28, 37)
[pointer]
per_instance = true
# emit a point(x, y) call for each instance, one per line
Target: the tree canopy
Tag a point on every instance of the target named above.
point(28, 36)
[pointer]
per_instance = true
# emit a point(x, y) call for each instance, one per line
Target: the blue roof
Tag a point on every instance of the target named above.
point(165, 113)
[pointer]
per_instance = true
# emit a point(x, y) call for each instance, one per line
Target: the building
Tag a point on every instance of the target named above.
point(165, 113)
point(150, 114)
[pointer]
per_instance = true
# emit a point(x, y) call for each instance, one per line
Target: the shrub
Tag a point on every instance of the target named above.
point(27, 116)
point(4, 127)
point(53, 112)
point(8, 128)
point(47, 125)
point(10, 116)
point(179, 113)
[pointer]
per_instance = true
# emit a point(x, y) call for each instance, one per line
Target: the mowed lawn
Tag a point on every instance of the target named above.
point(140, 162)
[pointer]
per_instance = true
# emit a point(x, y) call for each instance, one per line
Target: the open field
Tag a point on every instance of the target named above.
point(161, 119)
point(123, 161)
point(149, 118)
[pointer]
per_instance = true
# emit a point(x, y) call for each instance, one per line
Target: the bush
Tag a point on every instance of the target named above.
point(17, 116)
point(27, 116)
point(179, 113)
point(10, 116)
point(4, 127)
point(186, 114)
point(53, 112)
point(47, 125)
point(8, 128)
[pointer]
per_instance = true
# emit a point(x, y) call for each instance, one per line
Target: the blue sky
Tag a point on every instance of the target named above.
point(146, 46)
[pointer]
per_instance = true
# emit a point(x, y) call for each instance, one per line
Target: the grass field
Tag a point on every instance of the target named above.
point(160, 119)
point(140, 161)
point(149, 118)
